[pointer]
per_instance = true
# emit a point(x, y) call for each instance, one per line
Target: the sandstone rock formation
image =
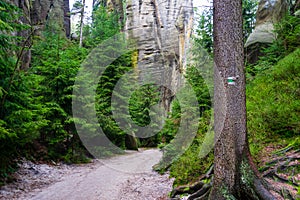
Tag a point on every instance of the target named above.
point(268, 13)
point(57, 11)
point(37, 13)
point(162, 30)
point(116, 5)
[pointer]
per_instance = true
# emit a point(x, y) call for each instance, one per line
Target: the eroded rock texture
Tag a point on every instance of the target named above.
point(162, 29)
point(37, 13)
point(45, 11)
point(268, 13)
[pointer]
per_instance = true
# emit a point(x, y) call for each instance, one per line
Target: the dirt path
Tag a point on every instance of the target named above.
point(126, 177)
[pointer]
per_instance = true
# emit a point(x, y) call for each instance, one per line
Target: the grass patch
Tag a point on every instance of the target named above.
point(273, 105)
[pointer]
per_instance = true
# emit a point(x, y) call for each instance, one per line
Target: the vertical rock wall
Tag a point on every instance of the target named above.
point(57, 11)
point(162, 29)
point(116, 5)
point(37, 13)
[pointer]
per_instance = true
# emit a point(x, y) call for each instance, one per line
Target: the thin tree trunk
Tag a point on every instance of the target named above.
point(67, 19)
point(81, 23)
point(94, 3)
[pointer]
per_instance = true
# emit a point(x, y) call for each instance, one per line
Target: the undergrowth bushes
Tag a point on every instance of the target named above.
point(188, 167)
point(273, 103)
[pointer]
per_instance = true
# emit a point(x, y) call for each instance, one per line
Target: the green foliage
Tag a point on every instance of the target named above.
point(288, 33)
point(273, 103)
point(226, 194)
point(200, 88)
point(104, 25)
point(287, 40)
point(140, 104)
point(55, 64)
point(196, 159)
point(142, 99)
point(190, 165)
point(135, 108)
point(247, 177)
point(204, 30)
point(105, 90)
point(9, 14)
point(171, 126)
point(77, 6)
point(20, 119)
point(249, 9)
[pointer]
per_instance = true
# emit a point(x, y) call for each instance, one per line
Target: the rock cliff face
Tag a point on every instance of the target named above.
point(268, 13)
point(162, 29)
point(54, 10)
point(37, 13)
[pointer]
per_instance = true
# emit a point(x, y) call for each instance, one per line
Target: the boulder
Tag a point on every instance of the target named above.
point(268, 13)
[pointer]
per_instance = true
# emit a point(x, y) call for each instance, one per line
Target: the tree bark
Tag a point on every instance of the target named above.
point(67, 19)
point(231, 151)
point(81, 23)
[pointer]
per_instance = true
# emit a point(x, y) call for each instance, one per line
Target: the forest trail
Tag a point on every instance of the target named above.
point(125, 177)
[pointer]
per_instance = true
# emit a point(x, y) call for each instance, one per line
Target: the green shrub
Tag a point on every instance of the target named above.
point(273, 102)
point(287, 40)
point(19, 112)
point(188, 167)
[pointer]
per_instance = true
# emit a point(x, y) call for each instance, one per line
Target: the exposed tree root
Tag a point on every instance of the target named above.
point(274, 169)
point(261, 191)
point(287, 194)
point(187, 189)
point(198, 190)
point(286, 159)
point(201, 193)
point(279, 163)
point(201, 190)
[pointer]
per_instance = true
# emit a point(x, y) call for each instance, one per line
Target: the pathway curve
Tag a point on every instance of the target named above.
point(126, 177)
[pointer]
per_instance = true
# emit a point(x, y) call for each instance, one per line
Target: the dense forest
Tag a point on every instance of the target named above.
point(36, 95)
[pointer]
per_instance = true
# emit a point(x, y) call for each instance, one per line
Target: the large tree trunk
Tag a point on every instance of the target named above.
point(232, 157)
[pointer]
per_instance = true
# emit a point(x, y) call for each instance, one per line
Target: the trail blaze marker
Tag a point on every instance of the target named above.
point(231, 80)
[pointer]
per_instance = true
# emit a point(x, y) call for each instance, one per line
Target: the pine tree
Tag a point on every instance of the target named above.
point(235, 175)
